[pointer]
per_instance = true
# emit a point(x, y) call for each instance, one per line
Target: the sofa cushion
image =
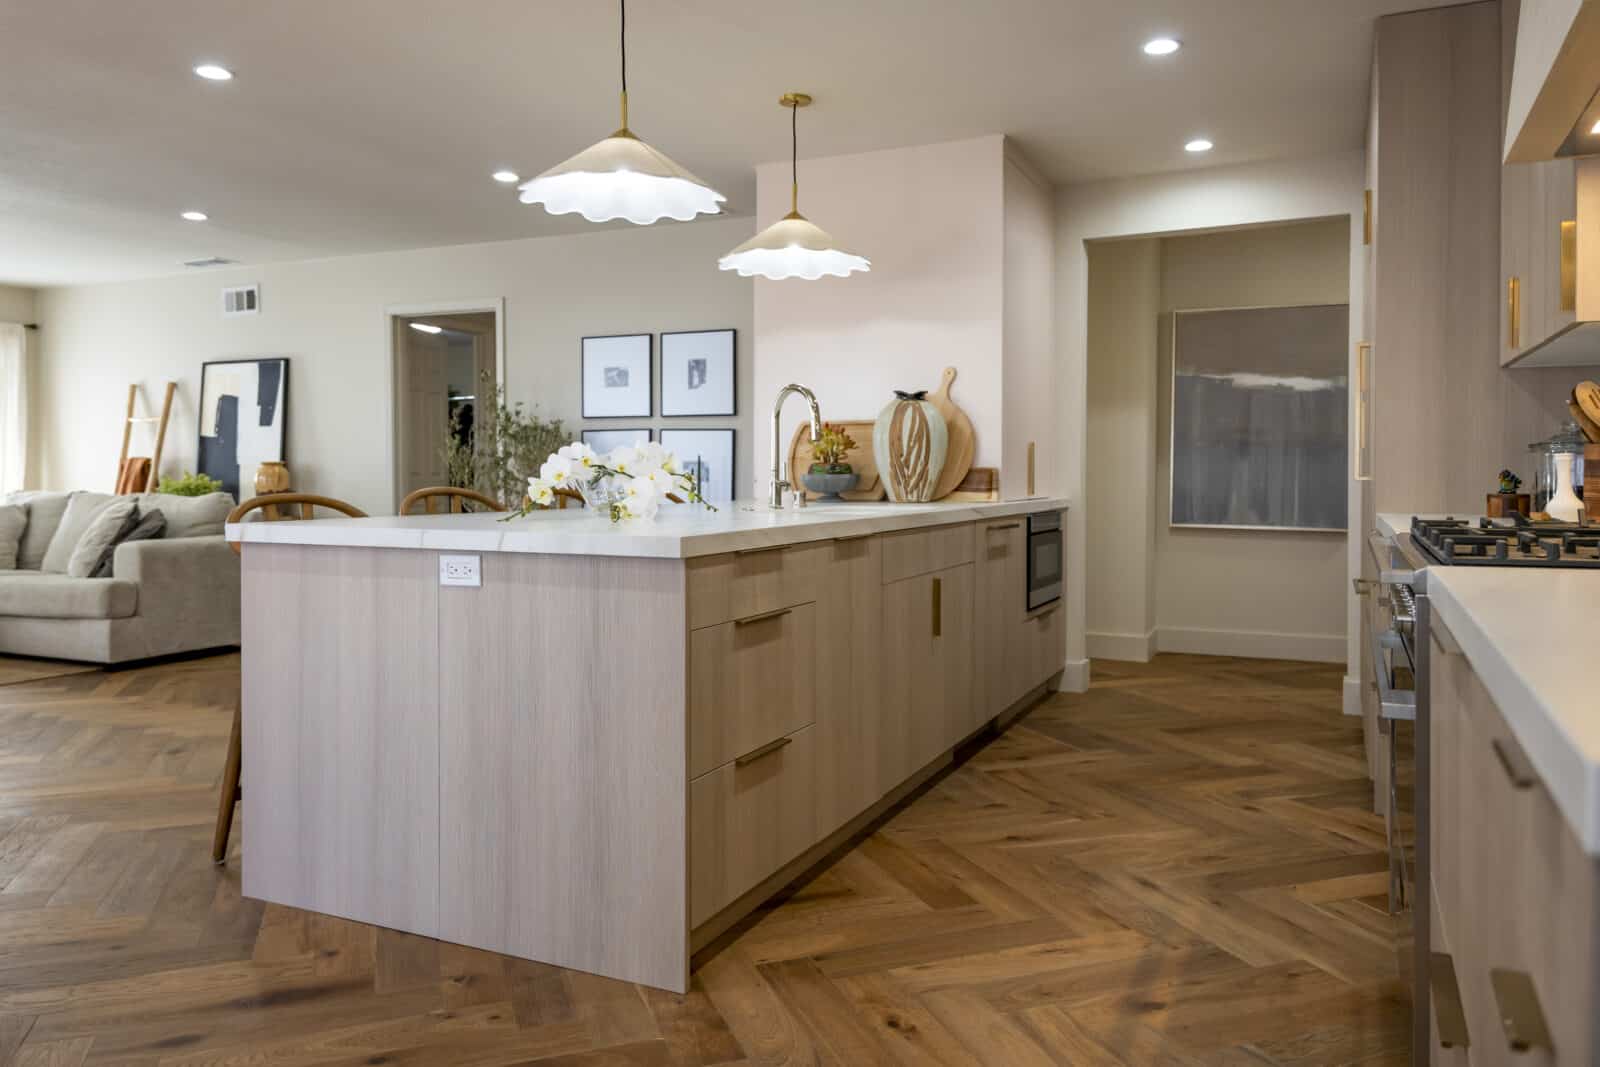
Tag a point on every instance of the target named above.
point(13, 521)
point(81, 510)
point(111, 524)
point(151, 525)
point(190, 516)
point(44, 515)
point(34, 595)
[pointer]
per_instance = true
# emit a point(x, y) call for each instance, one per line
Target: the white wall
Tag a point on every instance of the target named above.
point(1246, 592)
point(930, 219)
point(329, 318)
point(16, 304)
point(1030, 371)
point(1216, 198)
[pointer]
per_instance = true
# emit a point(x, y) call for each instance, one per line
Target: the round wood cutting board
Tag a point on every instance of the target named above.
point(963, 442)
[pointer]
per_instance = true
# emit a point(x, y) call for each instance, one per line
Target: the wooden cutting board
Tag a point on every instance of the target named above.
point(868, 485)
point(963, 442)
point(1587, 396)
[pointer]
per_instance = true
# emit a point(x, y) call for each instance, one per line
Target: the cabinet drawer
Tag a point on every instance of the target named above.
point(1045, 640)
point(751, 681)
point(914, 552)
point(736, 585)
point(747, 818)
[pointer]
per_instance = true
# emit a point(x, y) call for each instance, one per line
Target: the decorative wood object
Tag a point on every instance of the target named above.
point(1501, 505)
point(962, 440)
point(911, 442)
point(980, 486)
point(272, 476)
point(1591, 482)
point(458, 499)
point(1587, 396)
point(869, 486)
point(135, 475)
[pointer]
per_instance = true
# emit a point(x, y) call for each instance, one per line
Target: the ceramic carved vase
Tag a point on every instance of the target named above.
point(910, 441)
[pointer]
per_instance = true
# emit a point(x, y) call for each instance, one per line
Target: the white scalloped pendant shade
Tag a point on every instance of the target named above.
point(793, 247)
point(621, 177)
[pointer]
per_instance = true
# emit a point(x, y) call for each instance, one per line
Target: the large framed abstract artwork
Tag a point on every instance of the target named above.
point(1259, 417)
point(244, 410)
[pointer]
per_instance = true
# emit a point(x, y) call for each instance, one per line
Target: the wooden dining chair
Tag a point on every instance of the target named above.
point(459, 499)
point(273, 508)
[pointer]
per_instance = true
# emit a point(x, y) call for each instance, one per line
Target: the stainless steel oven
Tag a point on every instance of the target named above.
point(1044, 559)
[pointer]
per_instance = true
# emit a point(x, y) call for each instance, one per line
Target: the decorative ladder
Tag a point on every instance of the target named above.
point(138, 479)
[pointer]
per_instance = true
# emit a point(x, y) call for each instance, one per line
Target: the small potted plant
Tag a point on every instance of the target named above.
point(830, 475)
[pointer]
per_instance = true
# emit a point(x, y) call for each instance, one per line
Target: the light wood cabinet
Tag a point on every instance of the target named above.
point(750, 681)
point(1001, 573)
point(847, 669)
point(927, 670)
point(736, 585)
point(914, 552)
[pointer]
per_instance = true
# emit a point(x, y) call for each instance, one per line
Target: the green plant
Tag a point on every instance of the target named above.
point(189, 485)
point(504, 449)
point(828, 452)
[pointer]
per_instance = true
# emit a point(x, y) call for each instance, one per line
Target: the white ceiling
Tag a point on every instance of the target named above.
point(365, 125)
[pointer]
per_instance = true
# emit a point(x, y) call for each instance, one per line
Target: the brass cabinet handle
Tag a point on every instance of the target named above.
point(1003, 526)
point(1048, 609)
point(759, 550)
point(1569, 265)
point(1514, 312)
point(1448, 1014)
point(762, 617)
point(1363, 586)
point(938, 607)
point(1521, 775)
point(1366, 216)
point(1520, 1013)
point(765, 750)
point(1030, 467)
point(847, 538)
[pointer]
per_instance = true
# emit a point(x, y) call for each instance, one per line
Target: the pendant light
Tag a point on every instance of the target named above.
point(794, 246)
point(621, 177)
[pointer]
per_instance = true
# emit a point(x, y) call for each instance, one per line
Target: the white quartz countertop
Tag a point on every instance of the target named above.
point(679, 532)
point(1531, 635)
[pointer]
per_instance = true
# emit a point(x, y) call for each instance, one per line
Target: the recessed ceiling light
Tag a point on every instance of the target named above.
point(1199, 144)
point(211, 72)
point(1162, 46)
point(427, 327)
point(195, 216)
point(506, 177)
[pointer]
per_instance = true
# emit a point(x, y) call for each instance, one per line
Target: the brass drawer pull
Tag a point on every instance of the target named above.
point(1519, 1011)
point(762, 617)
point(847, 538)
point(1048, 609)
point(1363, 586)
point(1522, 777)
point(938, 606)
point(1004, 526)
point(1448, 1014)
point(757, 551)
point(765, 750)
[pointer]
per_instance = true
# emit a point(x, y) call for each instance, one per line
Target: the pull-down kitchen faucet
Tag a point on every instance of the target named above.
point(778, 482)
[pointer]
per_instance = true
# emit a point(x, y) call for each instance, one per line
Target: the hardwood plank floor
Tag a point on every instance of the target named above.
point(1176, 867)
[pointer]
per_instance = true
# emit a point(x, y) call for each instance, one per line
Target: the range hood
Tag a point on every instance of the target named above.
point(1554, 107)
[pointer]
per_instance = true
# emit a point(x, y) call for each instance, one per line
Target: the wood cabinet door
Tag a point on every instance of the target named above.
point(927, 670)
point(849, 672)
point(1001, 576)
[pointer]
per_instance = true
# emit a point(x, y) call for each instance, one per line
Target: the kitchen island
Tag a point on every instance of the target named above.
point(625, 737)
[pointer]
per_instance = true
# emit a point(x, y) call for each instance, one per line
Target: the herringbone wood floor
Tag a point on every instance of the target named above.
point(1177, 867)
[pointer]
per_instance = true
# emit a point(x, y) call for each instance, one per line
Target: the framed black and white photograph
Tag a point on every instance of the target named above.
point(244, 410)
point(697, 373)
point(603, 441)
point(708, 453)
point(616, 377)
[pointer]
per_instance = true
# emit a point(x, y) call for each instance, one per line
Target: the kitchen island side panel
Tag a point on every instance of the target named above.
point(563, 755)
point(340, 732)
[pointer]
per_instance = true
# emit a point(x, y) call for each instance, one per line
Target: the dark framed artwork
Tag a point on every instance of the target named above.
point(709, 453)
point(698, 373)
point(603, 441)
point(243, 418)
point(616, 376)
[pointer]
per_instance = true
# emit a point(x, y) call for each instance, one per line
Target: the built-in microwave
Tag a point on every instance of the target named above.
point(1044, 559)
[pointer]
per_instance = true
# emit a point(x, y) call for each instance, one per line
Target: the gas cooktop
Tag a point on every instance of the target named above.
point(1514, 542)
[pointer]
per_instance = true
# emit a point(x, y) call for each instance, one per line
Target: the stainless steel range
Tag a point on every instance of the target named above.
point(1514, 542)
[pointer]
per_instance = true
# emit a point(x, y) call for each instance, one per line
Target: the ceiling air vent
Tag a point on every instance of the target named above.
point(211, 261)
point(242, 300)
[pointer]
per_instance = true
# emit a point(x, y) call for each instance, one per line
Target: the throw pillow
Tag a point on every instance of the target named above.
point(44, 515)
point(113, 521)
point(13, 521)
point(80, 512)
point(190, 516)
point(151, 525)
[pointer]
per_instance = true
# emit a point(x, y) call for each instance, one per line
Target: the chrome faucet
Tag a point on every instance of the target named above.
point(778, 482)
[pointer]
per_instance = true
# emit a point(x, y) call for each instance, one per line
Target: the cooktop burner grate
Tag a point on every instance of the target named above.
point(1483, 542)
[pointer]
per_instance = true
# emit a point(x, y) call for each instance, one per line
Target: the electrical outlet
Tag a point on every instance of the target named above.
point(459, 570)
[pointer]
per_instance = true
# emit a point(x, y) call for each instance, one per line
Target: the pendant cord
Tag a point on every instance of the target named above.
point(794, 156)
point(622, 49)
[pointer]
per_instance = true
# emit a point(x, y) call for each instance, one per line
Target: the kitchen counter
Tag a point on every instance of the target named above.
point(680, 532)
point(1529, 634)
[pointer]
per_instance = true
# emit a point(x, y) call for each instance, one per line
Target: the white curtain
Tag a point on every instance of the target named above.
point(13, 406)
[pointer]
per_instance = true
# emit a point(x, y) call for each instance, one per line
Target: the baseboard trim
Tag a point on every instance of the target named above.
point(1317, 648)
point(1352, 696)
point(1134, 648)
point(1074, 677)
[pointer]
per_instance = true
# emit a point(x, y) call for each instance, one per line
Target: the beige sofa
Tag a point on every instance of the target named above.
point(177, 593)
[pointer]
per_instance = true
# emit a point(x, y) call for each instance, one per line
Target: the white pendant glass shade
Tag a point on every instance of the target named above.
point(621, 177)
point(793, 247)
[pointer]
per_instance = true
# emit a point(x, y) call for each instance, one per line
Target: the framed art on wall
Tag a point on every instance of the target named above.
point(708, 453)
point(604, 441)
point(244, 410)
point(697, 373)
point(616, 376)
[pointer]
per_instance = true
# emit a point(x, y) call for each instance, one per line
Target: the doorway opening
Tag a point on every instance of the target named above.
point(447, 368)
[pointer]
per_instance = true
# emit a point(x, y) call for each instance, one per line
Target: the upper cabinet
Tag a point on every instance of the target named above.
point(1552, 106)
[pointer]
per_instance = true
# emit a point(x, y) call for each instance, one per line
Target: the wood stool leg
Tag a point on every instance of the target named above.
point(228, 795)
